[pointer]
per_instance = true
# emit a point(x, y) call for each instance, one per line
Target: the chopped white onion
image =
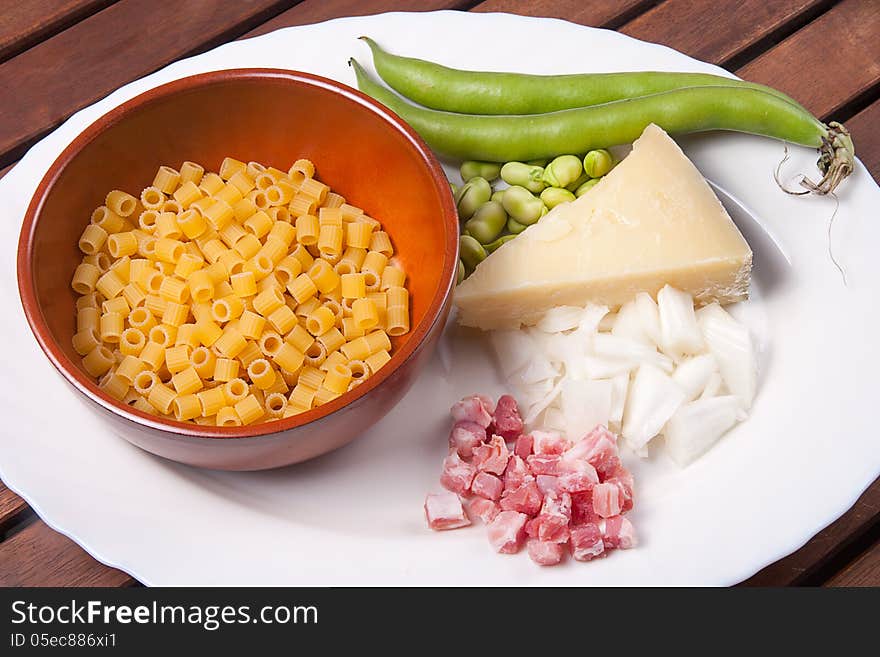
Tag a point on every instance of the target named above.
point(679, 333)
point(698, 425)
point(605, 344)
point(628, 324)
point(513, 349)
point(619, 387)
point(649, 315)
point(714, 386)
point(730, 343)
point(692, 374)
point(653, 398)
point(585, 404)
point(560, 318)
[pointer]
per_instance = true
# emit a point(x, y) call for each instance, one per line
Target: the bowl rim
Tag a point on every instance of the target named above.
point(79, 380)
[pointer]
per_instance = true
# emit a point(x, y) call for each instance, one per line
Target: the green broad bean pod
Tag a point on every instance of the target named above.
point(487, 223)
point(472, 195)
point(523, 206)
point(524, 175)
point(473, 169)
point(563, 171)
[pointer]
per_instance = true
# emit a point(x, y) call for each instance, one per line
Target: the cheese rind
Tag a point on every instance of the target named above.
point(653, 220)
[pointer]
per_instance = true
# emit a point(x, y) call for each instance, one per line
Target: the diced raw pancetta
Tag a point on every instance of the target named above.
point(457, 474)
point(547, 484)
point(582, 508)
point(545, 553)
point(586, 542)
point(546, 465)
point(607, 500)
point(506, 421)
point(492, 456)
point(526, 499)
point(475, 408)
point(576, 476)
point(485, 510)
point(444, 511)
point(624, 480)
point(465, 436)
point(507, 531)
point(523, 445)
point(517, 473)
point(554, 517)
point(618, 532)
point(487, 485)
point(598, 448)
point(549, 442)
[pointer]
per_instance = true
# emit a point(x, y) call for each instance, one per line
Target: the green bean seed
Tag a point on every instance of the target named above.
point(524, 175)
point(597, 163)
point(472, 195)
point(501, 241)
point(487, 223)
point(471, 251)
point(522, 205)
point(577, 183)
point(515, 227)
point(587, 186)
point(497, 195)
point(473, 169)
point(563, 171)
point(461, 272)
point(553, 196)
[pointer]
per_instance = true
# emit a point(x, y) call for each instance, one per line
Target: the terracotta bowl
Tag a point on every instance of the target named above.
point(361, 149)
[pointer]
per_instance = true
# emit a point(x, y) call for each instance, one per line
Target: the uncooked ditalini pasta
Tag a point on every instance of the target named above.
point(230, 298)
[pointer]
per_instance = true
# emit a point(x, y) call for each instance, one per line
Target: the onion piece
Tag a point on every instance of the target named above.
point(679, 333)
point(605, 344)
point(730, 343)
point(692, 374)
point(653, 398)
point(698, 425)
point(513, 350)
point(619, 387)
point(560, 318)
point(585, 404)
point(601, 367)
point(713, 386)
point(650, 316)
point(628, 324)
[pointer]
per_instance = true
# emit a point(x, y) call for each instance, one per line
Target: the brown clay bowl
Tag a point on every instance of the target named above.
point(361, 149)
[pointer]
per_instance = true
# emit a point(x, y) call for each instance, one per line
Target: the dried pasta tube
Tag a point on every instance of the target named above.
point(227, 417)
point(397, 320)
point(92, 239)
point(121, 203)
point(166, 179)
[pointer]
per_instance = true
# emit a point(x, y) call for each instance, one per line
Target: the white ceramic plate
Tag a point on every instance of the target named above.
point(354, 517)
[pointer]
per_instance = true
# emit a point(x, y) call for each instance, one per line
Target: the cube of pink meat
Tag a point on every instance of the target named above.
point(543, 464)
point(576, 476)
point(549, 442)
point(516, 474)
point(465, 436)
point(624, 481)
point(506, 421)
point(507, 531)
point(551, 523)
point(476, 408)
point(582, 508)
point(444, 511)
point(487, 485)
point(526, 499)
point(618, 532)
point(545, 553)
point(586, 542)
point(547, 484)
point(523, 446)
point(607, 500)
point(492, 456)
point(598, 448)
point(485, 510)
point(457, 475)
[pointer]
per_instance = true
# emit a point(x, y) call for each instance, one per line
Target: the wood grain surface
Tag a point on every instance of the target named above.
point(61, 55)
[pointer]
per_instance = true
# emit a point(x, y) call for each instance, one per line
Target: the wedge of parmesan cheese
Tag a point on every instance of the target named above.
point(652, 221)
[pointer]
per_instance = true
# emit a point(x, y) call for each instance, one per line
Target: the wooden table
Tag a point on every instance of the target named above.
point(57, 56)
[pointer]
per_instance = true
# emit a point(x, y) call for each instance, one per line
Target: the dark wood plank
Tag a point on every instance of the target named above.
point(864, 571)
point(40, 556)
point(799, 566)
point(595, 13)
point(828, 63)
point(866, 137)
point(22, 24)
point(11, 506)
point(315, 11)
point(125, 41)
point(698, 28)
